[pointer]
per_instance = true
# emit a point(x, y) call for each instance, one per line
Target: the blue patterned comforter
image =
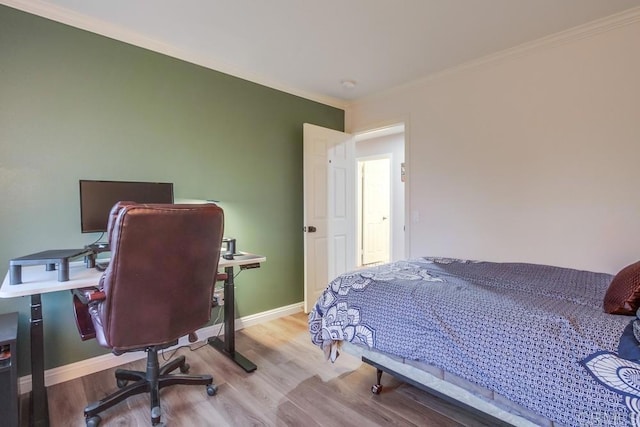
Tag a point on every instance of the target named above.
point(521, 330)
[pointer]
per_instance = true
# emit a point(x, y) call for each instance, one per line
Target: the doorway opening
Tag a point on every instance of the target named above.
point(374, 206)
point(380, 196)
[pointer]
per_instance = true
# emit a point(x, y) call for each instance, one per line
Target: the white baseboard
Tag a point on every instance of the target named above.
point(107, 361)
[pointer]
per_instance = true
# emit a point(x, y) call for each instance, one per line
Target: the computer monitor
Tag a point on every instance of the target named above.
point(98, 197)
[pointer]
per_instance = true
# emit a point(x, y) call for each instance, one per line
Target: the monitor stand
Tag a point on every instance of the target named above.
point(52, 259)
point(95, 249)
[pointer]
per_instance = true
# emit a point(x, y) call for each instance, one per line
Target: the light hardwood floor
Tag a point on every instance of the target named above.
point(293, 386)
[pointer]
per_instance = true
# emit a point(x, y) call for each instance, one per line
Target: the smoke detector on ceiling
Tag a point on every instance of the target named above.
point(348, 84)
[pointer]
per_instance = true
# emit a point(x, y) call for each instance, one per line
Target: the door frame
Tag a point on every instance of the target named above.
point(391, 127)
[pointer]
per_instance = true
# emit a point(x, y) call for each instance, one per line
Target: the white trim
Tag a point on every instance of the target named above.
point(379, 132)
point(116, 32)
point(107, 361)
point(265, 316)
point(589, 29)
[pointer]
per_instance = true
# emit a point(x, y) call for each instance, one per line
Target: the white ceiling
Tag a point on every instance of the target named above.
point(309, 47)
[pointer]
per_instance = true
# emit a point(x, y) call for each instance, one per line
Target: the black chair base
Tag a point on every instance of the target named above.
point(151, 381)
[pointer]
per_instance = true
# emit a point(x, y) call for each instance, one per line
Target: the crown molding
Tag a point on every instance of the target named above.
point(590, 29)
point(83, 22)
point(74, 19)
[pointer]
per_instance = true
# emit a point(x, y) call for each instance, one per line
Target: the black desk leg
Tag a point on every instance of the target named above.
point(38, 402)
point(228, 346)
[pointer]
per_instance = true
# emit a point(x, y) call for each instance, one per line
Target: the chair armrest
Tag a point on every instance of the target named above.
point(81, 299)
point(88, 295)
point(221, 277)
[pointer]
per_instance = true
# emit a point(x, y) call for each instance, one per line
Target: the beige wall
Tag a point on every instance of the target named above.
point(534, 157)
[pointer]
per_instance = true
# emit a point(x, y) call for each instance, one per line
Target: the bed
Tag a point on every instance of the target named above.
point(526, 344)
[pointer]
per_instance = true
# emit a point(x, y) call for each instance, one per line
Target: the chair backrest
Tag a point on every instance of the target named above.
point(160, 279)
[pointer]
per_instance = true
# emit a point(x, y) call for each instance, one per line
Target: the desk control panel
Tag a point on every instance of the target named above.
point(249, 266)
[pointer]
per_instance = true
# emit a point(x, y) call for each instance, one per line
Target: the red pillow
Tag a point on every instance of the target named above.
point(623, 294)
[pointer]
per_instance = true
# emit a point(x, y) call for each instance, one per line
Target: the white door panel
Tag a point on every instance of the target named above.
point(329, 247)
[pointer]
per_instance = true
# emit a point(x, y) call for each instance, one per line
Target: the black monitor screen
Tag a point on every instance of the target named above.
point(98, 197)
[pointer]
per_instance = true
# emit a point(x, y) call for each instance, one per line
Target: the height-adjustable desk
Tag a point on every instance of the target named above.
point(37, 281)
point(228, 346)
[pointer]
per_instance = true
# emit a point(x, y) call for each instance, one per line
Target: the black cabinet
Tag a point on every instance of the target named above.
point(8, 370)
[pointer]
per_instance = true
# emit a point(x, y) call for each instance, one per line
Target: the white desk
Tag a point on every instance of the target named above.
point(37, 281)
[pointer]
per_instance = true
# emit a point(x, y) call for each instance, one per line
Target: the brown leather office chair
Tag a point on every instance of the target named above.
point(157, 288)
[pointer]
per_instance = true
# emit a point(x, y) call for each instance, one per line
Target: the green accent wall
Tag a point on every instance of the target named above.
point(75, 105)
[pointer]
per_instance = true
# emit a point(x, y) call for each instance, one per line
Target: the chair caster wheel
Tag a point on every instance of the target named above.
point(185, 368)
point(376, 389)
point(121, 383)
point(155, 416)
point(93, 421)
point(212, 389)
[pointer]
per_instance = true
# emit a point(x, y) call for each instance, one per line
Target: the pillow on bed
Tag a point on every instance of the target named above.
point(628, 346)
point(623, 294)
point(636, 330)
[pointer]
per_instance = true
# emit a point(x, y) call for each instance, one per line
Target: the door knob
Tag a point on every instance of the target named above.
point(311, 229)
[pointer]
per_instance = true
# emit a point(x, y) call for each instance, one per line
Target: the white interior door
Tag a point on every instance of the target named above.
point(329, 244)
point(376, 210)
